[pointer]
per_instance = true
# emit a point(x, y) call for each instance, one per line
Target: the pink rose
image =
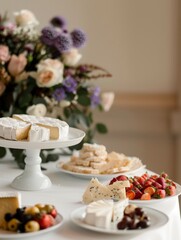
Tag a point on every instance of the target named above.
point(4, 53)
point(17, 64)
point(2, 88)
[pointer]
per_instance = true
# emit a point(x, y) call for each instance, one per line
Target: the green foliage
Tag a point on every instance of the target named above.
point(2, 152)
point(65, 89)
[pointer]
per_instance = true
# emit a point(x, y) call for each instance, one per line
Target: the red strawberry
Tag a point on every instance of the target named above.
point(112, 181)
point(145, 176)
point(161, 180)
point(164, 175)
point(145, 196)
point(170, 190)
point(130, 194)
point(154, 177)
point(157, 185)
point(160, 193)
point(148, 183)
point(141, 181)
point(170, 182)
point(149, 190)
point(130, 187)
point(138, 193)
point(121, 178)
point(137, 184)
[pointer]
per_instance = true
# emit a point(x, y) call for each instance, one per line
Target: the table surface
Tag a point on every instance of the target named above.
point(66, 194)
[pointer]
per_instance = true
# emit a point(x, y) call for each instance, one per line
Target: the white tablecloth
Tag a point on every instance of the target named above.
point(66, 194)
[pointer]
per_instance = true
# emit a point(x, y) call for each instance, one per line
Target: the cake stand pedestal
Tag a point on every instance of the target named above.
point(32, 178)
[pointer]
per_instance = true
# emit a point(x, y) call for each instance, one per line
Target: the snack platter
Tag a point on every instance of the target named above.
point(99, 176)
point(157, 219)
point(153, 201)
point(4, 234)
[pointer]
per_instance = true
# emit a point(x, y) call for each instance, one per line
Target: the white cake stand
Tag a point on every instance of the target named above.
point(32, 178)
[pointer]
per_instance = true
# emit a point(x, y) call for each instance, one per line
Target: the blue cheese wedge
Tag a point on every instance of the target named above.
point(97, 191)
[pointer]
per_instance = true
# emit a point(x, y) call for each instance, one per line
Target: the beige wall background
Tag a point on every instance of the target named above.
point(138, 41)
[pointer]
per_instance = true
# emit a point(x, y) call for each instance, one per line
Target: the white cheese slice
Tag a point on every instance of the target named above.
point(13, 129)
point(38, 134)
point(102, 212)
point(58, 129)
point(99, 213)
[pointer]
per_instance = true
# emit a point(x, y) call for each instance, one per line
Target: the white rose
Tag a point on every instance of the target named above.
point(107, 99)
point(71, 57)
point(49, 73)
point(38, 110)
point(25, 18)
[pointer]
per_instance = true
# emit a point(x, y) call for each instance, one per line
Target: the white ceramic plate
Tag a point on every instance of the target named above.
point(74, 137)
point(11, 235)
point(156, 200)
point(99, 176)
point(157, 219)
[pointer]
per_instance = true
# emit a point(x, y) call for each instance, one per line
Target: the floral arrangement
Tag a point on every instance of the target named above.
point(40, 75)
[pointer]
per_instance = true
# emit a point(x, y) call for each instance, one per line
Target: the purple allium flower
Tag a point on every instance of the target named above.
point(78, 38)
point(59, 94)
point(70, 84)
point(63, 42)
point(95, 96)
point(58, 21)
point(48, 35)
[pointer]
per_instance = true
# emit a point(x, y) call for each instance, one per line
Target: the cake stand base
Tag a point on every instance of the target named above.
point(32, 178)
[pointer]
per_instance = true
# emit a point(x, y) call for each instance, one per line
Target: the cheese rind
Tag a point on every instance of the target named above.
point(38, 134)
point(13, 129)
point(9, 202)
point(58, 129)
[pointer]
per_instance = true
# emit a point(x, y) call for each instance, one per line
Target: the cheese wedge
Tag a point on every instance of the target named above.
point(9, 202)
point(96, 191)
point(58, 129)
point(13, 129)
point(38, 134)
point(102, 212)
